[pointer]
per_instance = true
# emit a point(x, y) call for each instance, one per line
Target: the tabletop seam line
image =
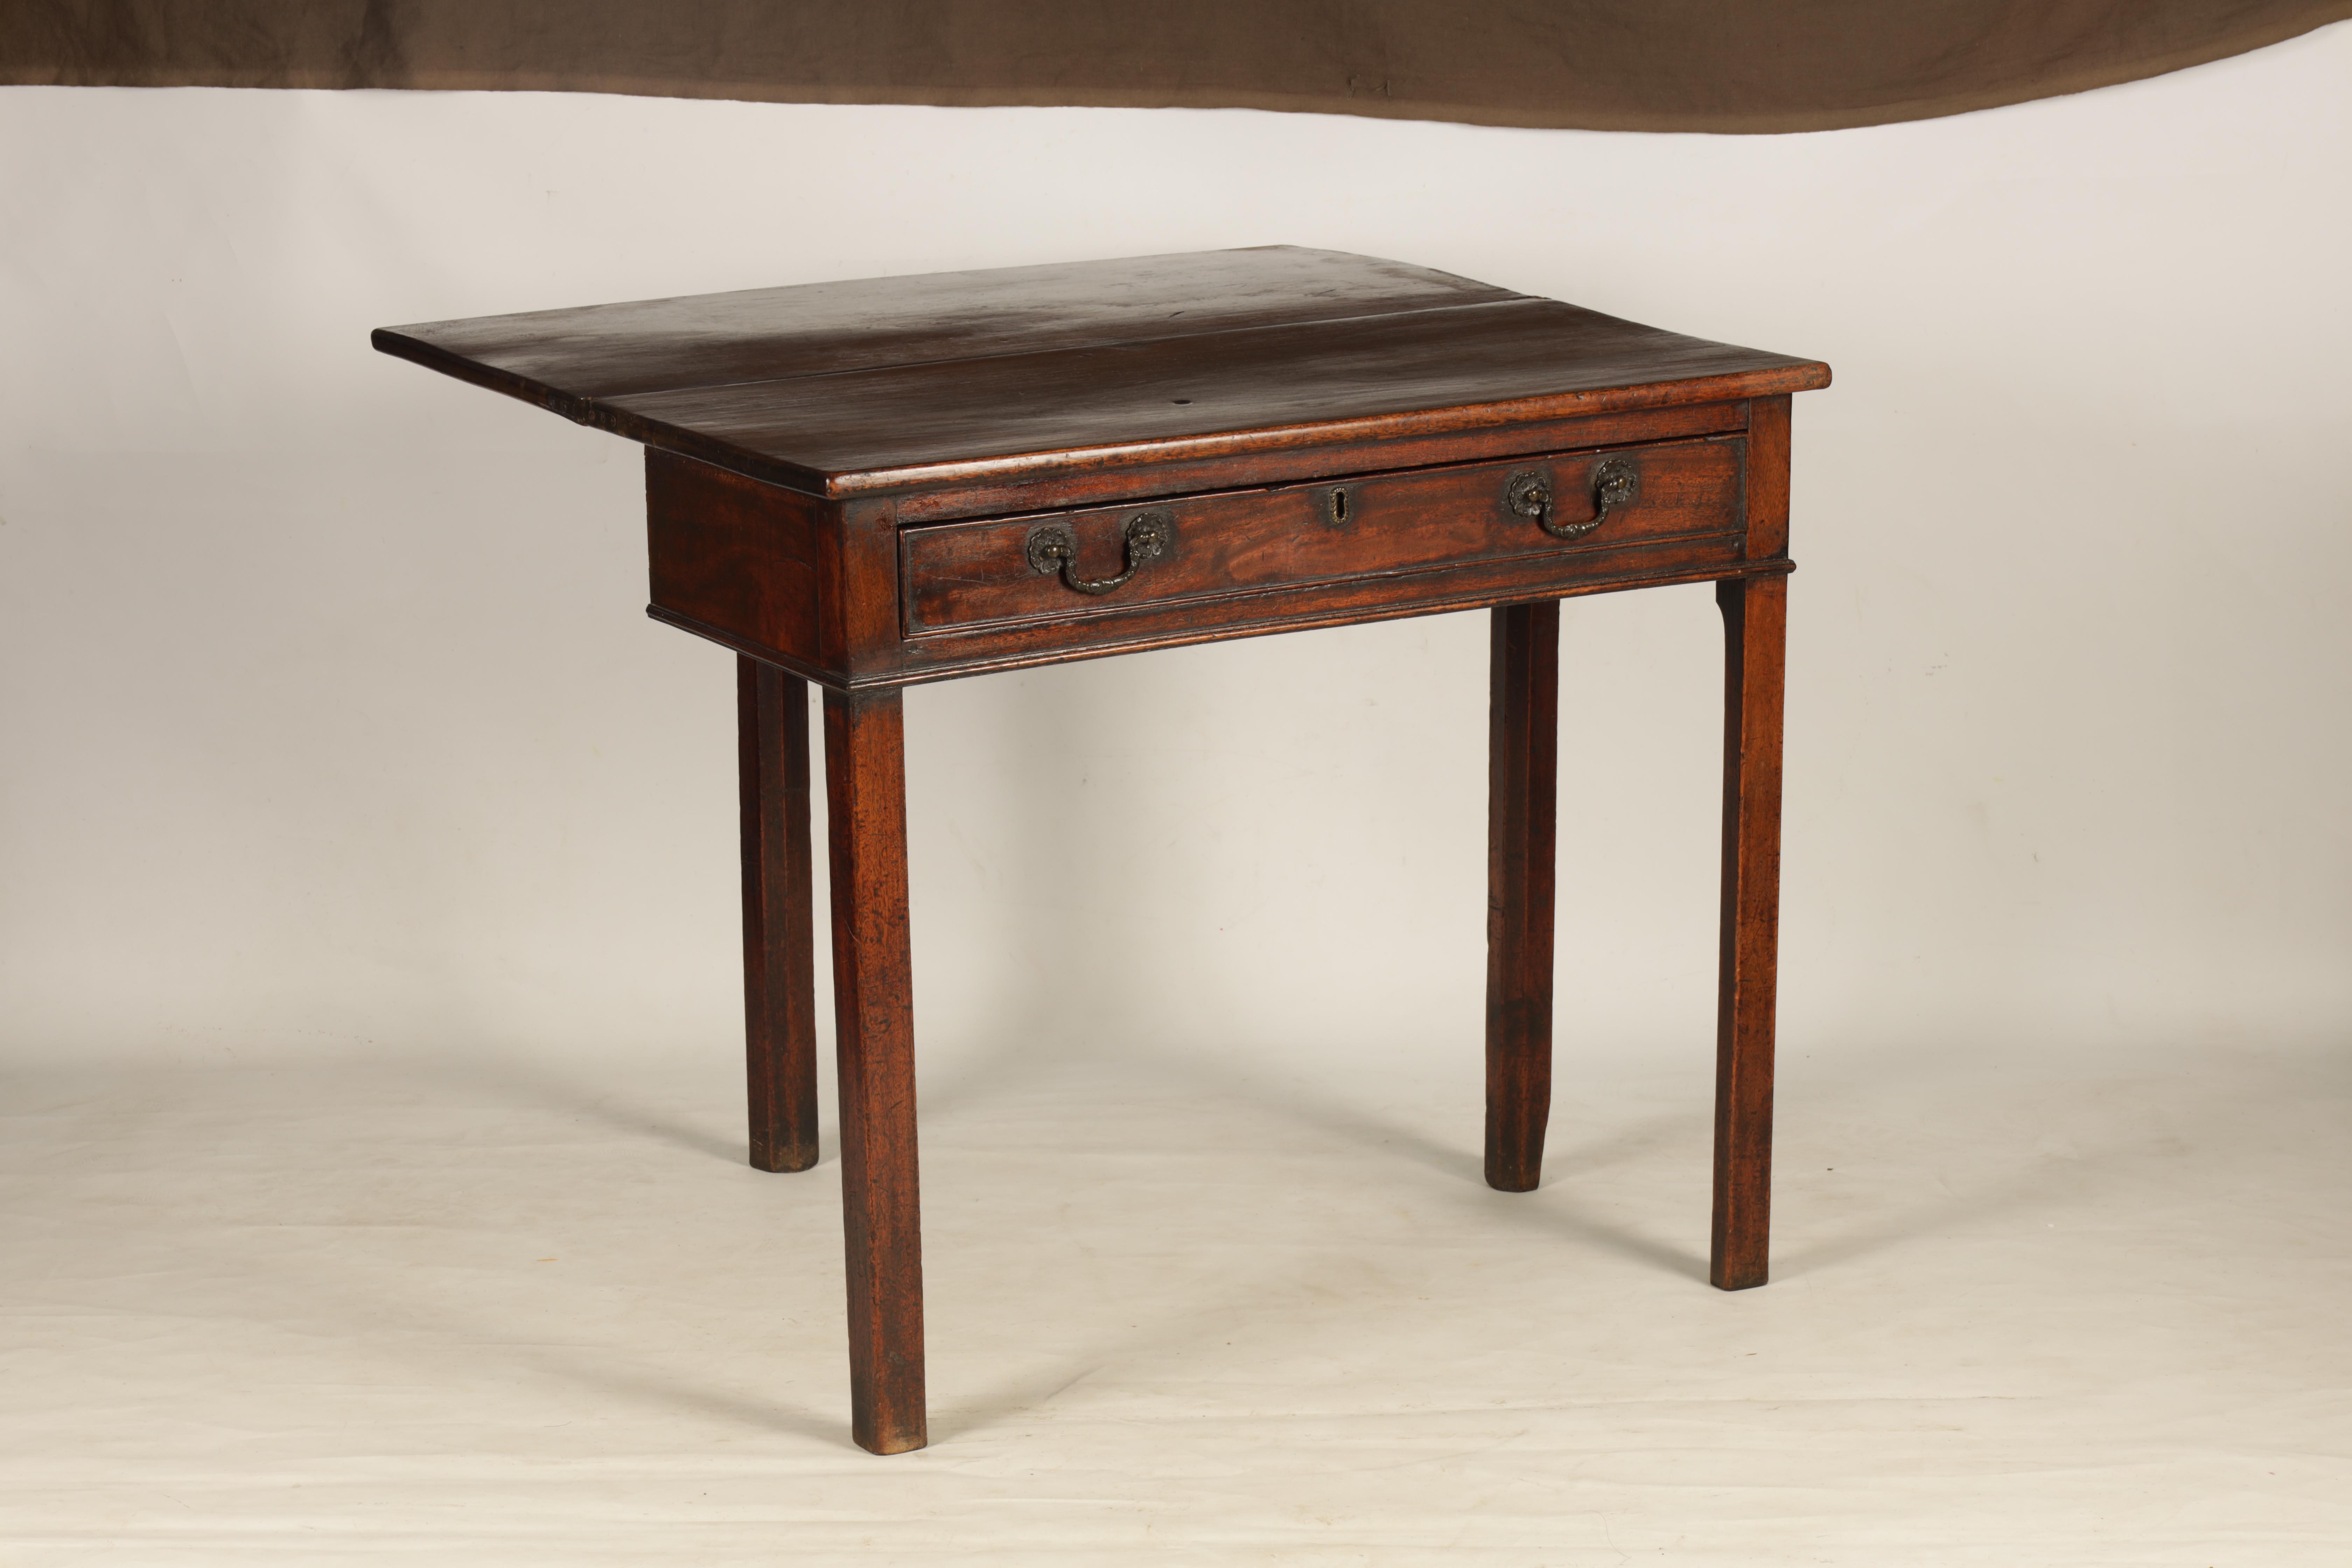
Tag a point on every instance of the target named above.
point(1075, 348)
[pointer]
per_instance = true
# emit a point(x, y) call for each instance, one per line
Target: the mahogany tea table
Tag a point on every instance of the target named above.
point(868, 484)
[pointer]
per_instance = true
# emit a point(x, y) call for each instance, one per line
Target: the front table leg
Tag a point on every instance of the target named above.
point(1754, 624)
point(866, 811)
point(1522, 774)
point(779, 939)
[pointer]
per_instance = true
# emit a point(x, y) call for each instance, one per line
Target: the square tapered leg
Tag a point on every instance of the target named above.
point(1754, 624)
point(779, 939)
point(866, 790)
point(1523, 758)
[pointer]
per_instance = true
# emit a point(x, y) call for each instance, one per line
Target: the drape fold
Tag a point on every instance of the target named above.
point(1617, 65)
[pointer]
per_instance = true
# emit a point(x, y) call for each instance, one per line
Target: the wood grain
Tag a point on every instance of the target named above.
point(974, 573)
point(841, 483)
point(1303, 606)
point(990, 497)
point(1767, 509)
point(896, 385)
point(732, 551)
point(1129, 405)
point(873, 979)
point(868, 324)
point(1523, 771)
point(1755, 620)
point(779, 935)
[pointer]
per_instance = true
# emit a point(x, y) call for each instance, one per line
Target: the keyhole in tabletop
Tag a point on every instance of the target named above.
point(1180, 400)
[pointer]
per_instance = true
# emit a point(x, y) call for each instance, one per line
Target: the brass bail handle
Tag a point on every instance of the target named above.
point(1053, 547)
point(1616, 484)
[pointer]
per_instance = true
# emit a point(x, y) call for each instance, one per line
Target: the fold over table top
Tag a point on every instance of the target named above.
point(1015, 373)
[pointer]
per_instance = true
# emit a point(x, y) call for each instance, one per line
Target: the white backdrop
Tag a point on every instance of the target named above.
point(370, 1151)
point(331, 721)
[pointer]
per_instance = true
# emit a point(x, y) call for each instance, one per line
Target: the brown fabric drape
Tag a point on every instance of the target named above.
point(1618, 65)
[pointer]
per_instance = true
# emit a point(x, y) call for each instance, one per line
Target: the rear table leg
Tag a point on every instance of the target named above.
point(1523, 756)
point(778, 963)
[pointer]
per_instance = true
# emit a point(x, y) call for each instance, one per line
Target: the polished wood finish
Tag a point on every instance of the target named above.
point(1232, 394)
point(841, 480)
point(873, 985)
point(725, 551)
point(843, 389)
point(1320, 453)
point(852, 637)
point(765, 570)
point(779, 935)
point(1767, 486)
point(969, 574)
point(1523, 779)
point(1755, 620)
point(1755, 625)
point(753, 335)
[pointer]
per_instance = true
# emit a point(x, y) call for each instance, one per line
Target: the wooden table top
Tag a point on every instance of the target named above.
point(1018, 373)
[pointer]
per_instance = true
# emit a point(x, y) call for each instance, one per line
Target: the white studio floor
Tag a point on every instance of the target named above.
point(2028, 1308)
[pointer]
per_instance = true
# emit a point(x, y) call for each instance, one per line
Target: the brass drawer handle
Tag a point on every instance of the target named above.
point(1054, 547)
point(1616, 483)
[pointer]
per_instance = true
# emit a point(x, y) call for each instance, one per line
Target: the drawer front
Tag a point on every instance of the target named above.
point(1054, 567)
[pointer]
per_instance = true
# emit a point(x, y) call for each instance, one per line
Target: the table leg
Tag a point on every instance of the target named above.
point(779, 940)
point(865, 813)
point(1754, 623)
point(1523, 756)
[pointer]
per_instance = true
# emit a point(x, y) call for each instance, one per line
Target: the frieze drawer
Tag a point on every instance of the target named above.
point(1054, 566)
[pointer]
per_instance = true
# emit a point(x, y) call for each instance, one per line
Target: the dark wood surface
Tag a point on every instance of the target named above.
point(841, 486)
point(1306, 607)
point(872, 324)
point(751, 557)
point(874, 1005)
point(974, 573)
point(1322, 452)
point(779, 937)
point(765, 570)
point(844, 389)
point(1523, 781)
point(1754, 623)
